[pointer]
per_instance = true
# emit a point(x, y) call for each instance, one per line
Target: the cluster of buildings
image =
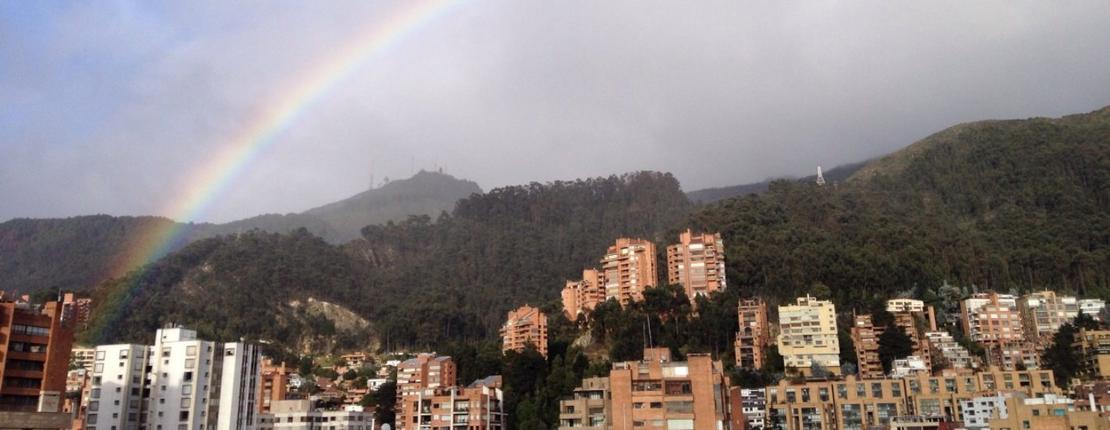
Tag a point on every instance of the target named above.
point(428, 397)
point(696, 261)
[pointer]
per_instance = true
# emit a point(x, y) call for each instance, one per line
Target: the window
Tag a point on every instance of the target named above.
point(187, 389)
point(185, 402)
point(122, 353)
point(191, 351)
point(100, 356)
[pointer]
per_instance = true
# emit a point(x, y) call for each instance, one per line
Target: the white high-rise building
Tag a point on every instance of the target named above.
point(179, 383)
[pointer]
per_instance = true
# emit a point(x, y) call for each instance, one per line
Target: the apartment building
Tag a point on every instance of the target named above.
point(582, 296)
point(1013, 354)
point(1092, 307)
point(821, 405)
point(910, 365)
point(874, 403)
point(303, 415)
point(1094, 349)
point(697, 262)
point(35, 344)
point(476, 407)
point(754, 335)
point(414, 377)
point(992, 318)
point(588, 408)
point(273, 384)
point(753, 406)
point(951, 353)
point(865, 338)
point(909, 315)
point(1045, 413)
point(1043, 312)
point(180, 382)
point(808, 336)
point(82, 357)
point(659, 394)
point(524, 326)
point(628, 268)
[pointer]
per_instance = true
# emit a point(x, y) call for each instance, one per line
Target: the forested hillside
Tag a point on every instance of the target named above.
point(74, 254)
point(1007, 205)
point(422, 282)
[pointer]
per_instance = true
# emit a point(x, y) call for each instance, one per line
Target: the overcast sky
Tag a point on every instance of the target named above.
point(109, 106)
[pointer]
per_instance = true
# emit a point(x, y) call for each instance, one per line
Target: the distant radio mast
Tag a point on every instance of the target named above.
point(820, 177)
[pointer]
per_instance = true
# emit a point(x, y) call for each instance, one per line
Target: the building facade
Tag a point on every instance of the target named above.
point(589, 408)
point(659, 394)
point(478, 407)
point(524, 326)
point(273, 384)
point(35, 345)
point(1043, 312)
point(697, 262)
point(582, 296)
point(865, 339)
point(992, 318)
point(628, 268)
point(302, 415)
point(808, 336)
point(180, 382)
point(754, 335)
point(415, 377)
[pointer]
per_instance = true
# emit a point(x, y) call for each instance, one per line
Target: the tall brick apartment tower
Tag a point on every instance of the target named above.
point(697, 262)
point(524, 325)
point(628, 269)
point(35, 343)
point(754, 335)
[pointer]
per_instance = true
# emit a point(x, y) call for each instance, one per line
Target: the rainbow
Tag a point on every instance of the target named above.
point(213, 178)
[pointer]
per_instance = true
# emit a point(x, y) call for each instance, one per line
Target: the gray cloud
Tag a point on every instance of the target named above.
point(111, 107)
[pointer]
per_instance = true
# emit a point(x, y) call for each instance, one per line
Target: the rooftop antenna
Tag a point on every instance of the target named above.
point(820, 177)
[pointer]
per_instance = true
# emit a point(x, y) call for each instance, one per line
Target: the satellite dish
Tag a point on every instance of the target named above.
point(386, 426)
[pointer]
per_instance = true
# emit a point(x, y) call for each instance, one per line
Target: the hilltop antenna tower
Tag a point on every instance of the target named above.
point(820, 177)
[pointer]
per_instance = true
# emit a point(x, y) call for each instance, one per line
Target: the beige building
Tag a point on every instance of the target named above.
point(808, 336)
point(582, 296)
point(589, 408)
point(865, 338)
point(628, 268)
point(1045, 413)
point(697, 262)
point(525, 325)
point(754, 335)
point(855, 403)
point(1094, 350)
point(1042, 314)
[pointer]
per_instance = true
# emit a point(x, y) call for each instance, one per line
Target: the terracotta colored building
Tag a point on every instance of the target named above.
point(865, 338)
point(1043, 312)
point(628, 269)
point(525, 325)
point(754, 335)
point(992, 318)
point(657, 393)
point(697, 262)
point(909, 315)
point(273, 384)
point(476, 407)
point(414, 377)
point(35, 344)
point(582, 296)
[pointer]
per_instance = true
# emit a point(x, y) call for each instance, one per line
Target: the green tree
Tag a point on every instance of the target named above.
point(385, 397)
point(893, 344)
